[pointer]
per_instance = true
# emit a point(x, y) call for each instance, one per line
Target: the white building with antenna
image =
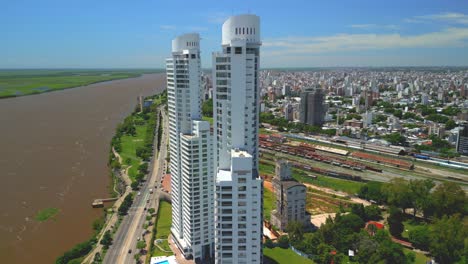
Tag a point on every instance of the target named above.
point(191, 151)
point(236, 92)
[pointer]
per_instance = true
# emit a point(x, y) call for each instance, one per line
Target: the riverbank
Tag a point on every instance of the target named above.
point(15, 83)
point(55, 147)
point(136, 129)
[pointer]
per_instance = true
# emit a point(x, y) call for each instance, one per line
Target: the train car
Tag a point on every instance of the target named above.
point(419, 156)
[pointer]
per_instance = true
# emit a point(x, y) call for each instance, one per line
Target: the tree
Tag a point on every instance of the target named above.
point(450, 124)
point(395, 138)
point(268, 243)
point(97, 257)
point(421, 190)
point(326, 253)
point(135, 185)
point(283, 241)
point(295, 230)
point(309, 244)
point(358, 209)
point(389, 252)
point(449, 198)
point(137, 257)
point(207, 108)
point(372, 191)
point(366, 247)
point(398, 113)
point(126, 203)
point(451, 111)
point(447, 239)
point(143, 168)
point(106, 240)
point(419, 237)
point(372, 212)
point(398, 193)
point(141, 244)
point(395, 222)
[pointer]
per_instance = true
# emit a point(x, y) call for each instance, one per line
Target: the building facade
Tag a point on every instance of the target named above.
point(462, 140)
point(290, 198)
point(312, 109)
point(191, 152)
point(236, 93)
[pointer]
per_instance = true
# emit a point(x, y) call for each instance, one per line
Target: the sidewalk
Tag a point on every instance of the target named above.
point(179, 256)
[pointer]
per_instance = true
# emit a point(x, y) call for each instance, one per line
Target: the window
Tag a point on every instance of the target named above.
point(238, 50)
point(194, 56)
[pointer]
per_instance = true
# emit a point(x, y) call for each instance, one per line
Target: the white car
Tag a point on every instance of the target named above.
point(139, 193)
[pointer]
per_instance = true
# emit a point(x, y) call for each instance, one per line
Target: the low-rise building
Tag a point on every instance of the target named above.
point(290, 198)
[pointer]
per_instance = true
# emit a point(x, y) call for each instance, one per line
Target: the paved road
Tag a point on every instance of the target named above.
point(131, 227)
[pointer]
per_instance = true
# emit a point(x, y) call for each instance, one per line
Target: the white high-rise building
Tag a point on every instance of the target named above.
point(191, 152)
point(236, 92)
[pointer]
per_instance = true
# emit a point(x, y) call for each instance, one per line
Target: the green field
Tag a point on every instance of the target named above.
point(25, 82)
point(350, 187)
point(129, 146)
point(163, 228)
point(279, 255)
point(46, 214)
point(268, 203)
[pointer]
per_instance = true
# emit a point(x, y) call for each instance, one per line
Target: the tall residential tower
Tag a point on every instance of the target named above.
point(238, 194)
point(312, 109)
point(191, 151)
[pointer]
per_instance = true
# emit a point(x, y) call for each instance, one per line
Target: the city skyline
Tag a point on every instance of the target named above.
point(301, 34)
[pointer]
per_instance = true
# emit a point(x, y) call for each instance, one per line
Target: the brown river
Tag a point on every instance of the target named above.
point(53, 153)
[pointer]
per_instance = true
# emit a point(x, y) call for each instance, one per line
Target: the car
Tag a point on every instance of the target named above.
point(139, 193)
point(129, 251)
point(138, 238)
point(144, 209)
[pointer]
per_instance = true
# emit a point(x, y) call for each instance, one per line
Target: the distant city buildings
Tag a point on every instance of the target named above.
point(312, 109)
point(290, 198)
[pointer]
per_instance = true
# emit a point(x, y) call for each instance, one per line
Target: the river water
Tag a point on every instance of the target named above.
point(53, 153)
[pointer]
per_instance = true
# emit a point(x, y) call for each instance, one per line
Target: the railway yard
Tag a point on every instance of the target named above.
point(352, 164)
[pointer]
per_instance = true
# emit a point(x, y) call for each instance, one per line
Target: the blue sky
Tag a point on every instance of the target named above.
point(138, 33)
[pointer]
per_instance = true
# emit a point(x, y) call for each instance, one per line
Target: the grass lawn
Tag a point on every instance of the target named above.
point(209, 119)
point(420, 257)
point(409, 225)
point(284, 256)
point(268, 203)
point(266, 168)
point(163, 228)
point(129, 146)
point(46, 214)
point(25, 82)
point(350, 187)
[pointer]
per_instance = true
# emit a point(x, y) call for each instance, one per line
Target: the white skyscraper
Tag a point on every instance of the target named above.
point(238, 195)
point(191, 152)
